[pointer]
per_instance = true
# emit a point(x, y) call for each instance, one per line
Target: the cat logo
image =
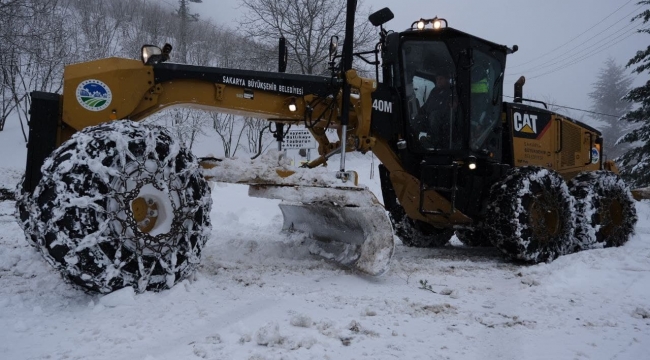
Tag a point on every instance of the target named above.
point(383, 106)
point(525, 123)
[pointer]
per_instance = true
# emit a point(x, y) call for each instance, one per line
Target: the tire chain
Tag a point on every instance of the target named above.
point(135, 265)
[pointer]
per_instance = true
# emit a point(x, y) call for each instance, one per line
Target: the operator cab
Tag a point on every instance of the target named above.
point(450, 131)
point(451, 83)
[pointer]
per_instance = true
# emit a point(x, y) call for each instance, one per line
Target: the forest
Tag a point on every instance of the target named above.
point(39, 37)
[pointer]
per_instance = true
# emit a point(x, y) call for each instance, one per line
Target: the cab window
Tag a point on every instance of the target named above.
point(486, 79)
point(432, 95)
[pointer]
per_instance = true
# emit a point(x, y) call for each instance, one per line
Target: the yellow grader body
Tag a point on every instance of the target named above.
point(111, 202)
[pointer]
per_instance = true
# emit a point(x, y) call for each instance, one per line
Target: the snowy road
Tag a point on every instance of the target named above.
point(260, 295)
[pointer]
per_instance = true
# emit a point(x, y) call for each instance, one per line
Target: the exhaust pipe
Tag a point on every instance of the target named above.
point(519, 89)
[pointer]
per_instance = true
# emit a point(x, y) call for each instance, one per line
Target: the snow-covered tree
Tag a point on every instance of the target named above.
point(611, 86)
point(636, 162)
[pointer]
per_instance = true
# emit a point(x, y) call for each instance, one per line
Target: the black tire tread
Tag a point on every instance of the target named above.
point(474, 237)
point(592, 190)
point(508, 222)
point(92, 241)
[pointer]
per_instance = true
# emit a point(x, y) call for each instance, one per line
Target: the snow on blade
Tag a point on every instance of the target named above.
point(347, 223)
point(264, 170)
point(349, 226)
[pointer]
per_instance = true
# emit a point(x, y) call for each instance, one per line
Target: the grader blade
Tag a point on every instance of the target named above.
point(346, 225)
point(345, 222)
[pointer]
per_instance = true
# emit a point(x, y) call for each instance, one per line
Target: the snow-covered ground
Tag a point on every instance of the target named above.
point(260, 295)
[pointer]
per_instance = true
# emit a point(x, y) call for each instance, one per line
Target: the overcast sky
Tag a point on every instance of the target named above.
point(540, 28)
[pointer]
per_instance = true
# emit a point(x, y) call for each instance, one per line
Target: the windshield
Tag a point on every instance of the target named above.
point(432, 96)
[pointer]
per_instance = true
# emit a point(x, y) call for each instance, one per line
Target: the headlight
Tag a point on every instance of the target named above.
point(471, 163)
point(436, 23)
point(151, 54)
point(292, 105)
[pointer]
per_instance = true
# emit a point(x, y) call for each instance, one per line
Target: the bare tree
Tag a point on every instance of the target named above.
point(185, 124)
point(8, 37)
point(7, 84)
point(43, 40)
point(14, 17)
point(307, 25)
point(226, 127)
point(256, 129)
point(99, 25)
point(148, 26)
point(185, 17)
point(188, 124)
point(203, 49)
point(39, 37)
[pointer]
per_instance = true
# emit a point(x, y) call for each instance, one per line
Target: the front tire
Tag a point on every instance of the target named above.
point(122, 204)
point(475, 236)
point(604, 208)
point(530, 215)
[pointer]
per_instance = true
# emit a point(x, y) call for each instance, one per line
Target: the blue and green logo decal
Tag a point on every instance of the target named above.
point(595, 155)
point(94, 95)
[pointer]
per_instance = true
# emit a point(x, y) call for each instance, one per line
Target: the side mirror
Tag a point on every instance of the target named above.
point(381, 17)
point(150, 54)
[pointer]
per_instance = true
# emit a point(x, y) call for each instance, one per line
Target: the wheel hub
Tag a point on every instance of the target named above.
point(152, 211)
point(145, 213)
point(611, 216)
point(544, 219)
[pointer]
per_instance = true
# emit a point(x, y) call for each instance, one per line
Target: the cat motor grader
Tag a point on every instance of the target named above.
point(112, 202)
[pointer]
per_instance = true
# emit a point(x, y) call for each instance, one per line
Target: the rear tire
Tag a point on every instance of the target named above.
point(89, 210)
point(530, 215)
point(605, 210)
